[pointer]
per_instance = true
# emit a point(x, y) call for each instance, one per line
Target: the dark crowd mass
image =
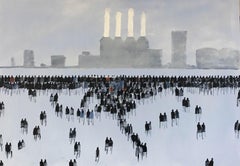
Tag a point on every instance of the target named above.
point(118, 96)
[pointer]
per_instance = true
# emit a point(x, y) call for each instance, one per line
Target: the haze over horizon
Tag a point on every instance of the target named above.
point(68, 27)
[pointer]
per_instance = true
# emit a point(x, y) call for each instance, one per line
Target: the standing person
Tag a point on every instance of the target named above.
point(172, 117)
point(74, 162)
point(211, 162)
point(176, 116)
point(70, 163)
point(106, 144)
point(1, 163)
point(207, 162)
point(110, 143)
point(41, 163)
point(97, 154)
point(137, 151)
point(1, 142)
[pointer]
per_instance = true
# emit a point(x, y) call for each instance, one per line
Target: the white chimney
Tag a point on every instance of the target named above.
point(130, 22)
point(106, 23)
point(118, 24)
point(143, 24)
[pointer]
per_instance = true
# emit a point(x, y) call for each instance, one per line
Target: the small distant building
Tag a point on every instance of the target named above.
point(211, 58)
point(179, 42)
point(28, 58)
point(86, 60)
point(58, 60)
point(43, 65)
point(13, 62)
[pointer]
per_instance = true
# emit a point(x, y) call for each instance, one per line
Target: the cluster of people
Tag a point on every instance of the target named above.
point(53, 99)
point(141, 148)
point(209, 163)
point(8, 149)
point(72, 135)
point(36, 133)
point(72, 162)
point(32, 93)
point(174, 117)
point(77, 149)
point(163, 120)
point(69, 112)
point(24, 126)
point(21, 144)
point(43, 162)
point(43, 118)
point(116, 96)
point(90, 117)
point(198, 112)
point(108, 144)
point(179, 93)
point(201, 129)
point(148, 127)
point(59, 110)
point(128, 129)
point(186, 104)
point(81, 115)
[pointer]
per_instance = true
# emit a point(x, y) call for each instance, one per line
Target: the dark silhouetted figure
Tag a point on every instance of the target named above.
point(97, 155)
point(207, 162)
point(211, 162)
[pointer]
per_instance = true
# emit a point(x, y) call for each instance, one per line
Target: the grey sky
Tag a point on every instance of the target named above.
point(69, 27)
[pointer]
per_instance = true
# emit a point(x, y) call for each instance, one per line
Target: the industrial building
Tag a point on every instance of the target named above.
point(116, 52)
point(28, 58)
point(58, 61)
point(211, 58)
point(179, 43)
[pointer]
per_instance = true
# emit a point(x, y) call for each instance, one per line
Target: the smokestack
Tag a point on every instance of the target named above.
point(118, 24)
point(143, 24)
point(106, 23)
point(130, 22)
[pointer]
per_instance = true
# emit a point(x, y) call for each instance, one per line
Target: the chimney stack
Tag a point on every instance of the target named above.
point(118, 24)
point(143, 24)
point(106, 23)
point(130, 22)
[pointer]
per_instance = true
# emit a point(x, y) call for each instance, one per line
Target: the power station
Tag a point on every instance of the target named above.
point(116, 52)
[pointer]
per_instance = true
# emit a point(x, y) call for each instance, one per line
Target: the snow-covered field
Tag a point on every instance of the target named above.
point(173, 146)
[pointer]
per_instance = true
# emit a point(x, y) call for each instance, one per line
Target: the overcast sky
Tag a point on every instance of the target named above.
point(68, 27)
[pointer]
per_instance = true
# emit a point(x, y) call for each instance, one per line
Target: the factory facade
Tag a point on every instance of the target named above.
point(116, 52)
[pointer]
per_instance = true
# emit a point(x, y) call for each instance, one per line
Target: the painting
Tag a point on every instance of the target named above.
point(119, 82)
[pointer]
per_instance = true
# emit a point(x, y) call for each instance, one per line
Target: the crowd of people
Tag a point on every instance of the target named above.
point(118, 97)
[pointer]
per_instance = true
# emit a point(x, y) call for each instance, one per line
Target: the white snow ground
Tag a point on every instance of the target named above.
point(174, 146)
